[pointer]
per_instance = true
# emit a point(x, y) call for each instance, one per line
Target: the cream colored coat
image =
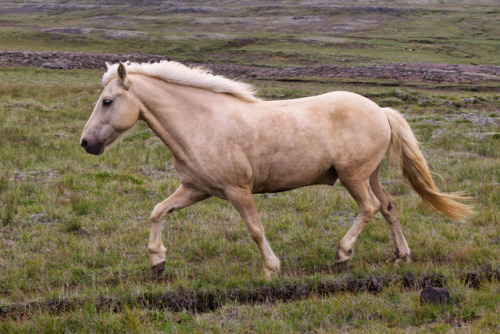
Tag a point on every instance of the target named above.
point(227, 143)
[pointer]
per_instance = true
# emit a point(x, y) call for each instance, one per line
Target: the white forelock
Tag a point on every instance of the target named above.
point(178, 73)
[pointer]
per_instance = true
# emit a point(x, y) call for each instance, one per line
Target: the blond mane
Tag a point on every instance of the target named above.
point(178, 73)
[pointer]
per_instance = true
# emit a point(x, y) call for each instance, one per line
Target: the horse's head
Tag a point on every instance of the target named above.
point(116, 111)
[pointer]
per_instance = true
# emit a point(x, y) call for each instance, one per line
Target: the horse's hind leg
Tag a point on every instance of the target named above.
point(389, 211)
point(243, 201)
point(181, 198)
point(368, 205)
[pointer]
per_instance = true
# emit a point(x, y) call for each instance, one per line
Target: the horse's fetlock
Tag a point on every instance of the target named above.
point(273, 264)
point(156, 250)
point(402, 253)
point(400, 256)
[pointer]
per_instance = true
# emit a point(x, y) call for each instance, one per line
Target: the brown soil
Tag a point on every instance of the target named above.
point(404, 72)
point(206, 301)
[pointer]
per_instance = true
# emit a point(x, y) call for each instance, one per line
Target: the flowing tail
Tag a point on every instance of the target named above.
point(404, 151)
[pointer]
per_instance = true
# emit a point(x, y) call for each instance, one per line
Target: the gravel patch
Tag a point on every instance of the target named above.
point(404, 72)
point(107, 33)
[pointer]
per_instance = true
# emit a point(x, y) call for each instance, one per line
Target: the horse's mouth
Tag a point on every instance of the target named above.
point(96, 149)
point(97, 152)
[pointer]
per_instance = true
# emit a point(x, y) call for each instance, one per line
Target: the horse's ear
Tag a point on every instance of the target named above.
point(108, 65)
point(122, 75)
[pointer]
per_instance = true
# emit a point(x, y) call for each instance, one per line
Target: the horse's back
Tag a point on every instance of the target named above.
point(304, 141)
point(340, 118)
point(339, 107)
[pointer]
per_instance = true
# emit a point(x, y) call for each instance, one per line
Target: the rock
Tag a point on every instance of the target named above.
point(430, 295)
point(39, 218)
point(56, 65)
point(241, 42)
point(399, 93)
point(437, 134)
point(8, 243)
point(469, 100)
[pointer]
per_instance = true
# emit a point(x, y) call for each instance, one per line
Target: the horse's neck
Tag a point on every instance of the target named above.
point(173, 112)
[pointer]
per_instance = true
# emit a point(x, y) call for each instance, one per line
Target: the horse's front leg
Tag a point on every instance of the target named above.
point(181, 198)
point(243, 202)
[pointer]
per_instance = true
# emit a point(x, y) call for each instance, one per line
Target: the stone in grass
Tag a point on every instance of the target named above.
point(56, 65)
point(430, 295)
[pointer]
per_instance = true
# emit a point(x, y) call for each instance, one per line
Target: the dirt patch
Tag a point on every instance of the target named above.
point(37, 176)
point(206, 301)
point(475, 279)
point(403, 72)
point(108, 33)
point(70, 60)
point(154, 173)
point(43, 8)
point(200, 301)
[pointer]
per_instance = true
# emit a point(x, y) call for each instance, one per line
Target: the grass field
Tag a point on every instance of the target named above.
point(74, 227)
point(274, 33)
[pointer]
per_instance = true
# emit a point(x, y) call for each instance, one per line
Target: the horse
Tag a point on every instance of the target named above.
point(228, 143)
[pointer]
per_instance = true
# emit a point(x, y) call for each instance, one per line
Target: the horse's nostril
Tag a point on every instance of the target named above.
point(84, 143)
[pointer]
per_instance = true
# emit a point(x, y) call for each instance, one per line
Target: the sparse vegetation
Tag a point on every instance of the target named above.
point(74, 227)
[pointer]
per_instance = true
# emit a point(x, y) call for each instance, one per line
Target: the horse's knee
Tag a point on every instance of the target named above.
point(156, 214)
point(159, 212)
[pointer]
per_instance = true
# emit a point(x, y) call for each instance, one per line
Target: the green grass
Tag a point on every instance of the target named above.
point(74, 227)
point(280, 34)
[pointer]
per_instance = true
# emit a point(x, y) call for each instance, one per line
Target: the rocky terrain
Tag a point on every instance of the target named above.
point(407, 72)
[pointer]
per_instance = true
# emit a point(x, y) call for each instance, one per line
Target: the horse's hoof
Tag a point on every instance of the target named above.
point(343, 255)
point(158, 269)
point(397, 260)
point(270, 274)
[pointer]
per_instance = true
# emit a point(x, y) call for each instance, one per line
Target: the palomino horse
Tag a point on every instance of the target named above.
point(228, 143)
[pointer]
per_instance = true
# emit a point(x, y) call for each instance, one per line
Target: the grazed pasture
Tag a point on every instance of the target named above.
point(74, 227)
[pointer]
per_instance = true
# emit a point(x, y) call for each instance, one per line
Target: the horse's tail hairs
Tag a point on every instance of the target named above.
point(404, 151)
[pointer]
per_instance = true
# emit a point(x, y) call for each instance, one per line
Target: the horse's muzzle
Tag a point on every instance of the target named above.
point(93, 148)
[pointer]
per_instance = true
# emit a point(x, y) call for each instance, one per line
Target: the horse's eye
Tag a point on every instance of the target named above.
point(106, 102)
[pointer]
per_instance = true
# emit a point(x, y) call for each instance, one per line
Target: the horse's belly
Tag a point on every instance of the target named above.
point(288, 175)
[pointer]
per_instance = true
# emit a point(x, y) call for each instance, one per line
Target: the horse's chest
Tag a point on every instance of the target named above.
point(196, 176)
